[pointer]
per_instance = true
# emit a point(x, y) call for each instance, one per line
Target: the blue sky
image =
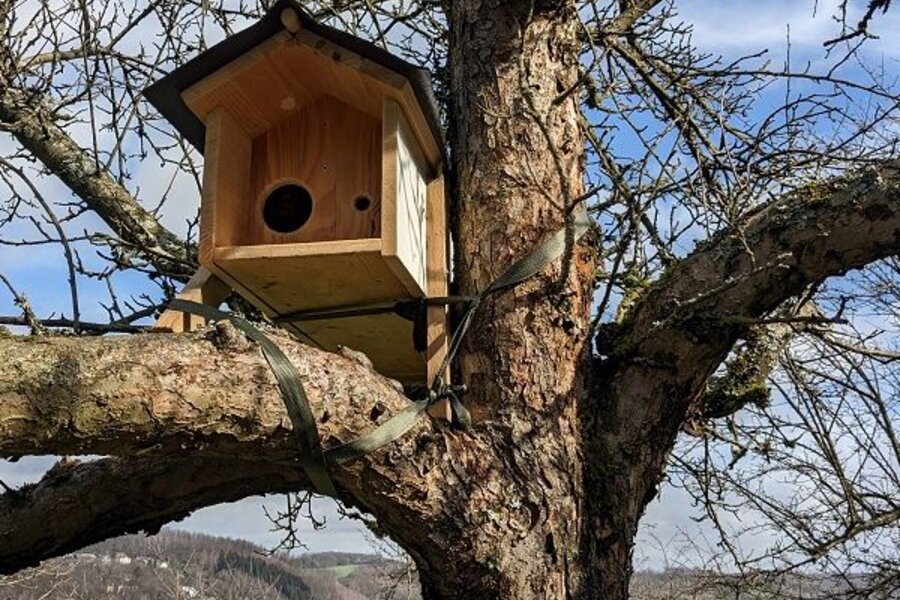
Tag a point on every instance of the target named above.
point(729, 27)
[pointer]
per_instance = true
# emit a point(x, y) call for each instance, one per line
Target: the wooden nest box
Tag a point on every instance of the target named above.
point(322, 184)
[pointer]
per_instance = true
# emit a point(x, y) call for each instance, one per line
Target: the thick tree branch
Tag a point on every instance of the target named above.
point(747, 371)
point(198, 419)
point(687, 322)
point(32, 123)
point(172, 393)
point(205, 411)
point(631, 11)
point(77, 504)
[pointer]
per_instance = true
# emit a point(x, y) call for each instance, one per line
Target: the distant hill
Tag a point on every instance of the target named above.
point(176, 565)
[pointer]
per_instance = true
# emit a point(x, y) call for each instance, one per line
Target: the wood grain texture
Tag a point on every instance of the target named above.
point(437, 265)
point(331, 149)
point(412, 183)
point(226, 180)
point(292, 277)
point(205, 288)
point(288, 72)
point(404, 180)
point(286, 278)
point(387, 340)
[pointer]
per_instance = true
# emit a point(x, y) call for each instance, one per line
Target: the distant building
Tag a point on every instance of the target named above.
point(86, 556)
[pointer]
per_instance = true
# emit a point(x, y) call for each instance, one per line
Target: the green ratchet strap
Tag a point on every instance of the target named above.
point(313, 459)
point(531, 264)
point(545, 253)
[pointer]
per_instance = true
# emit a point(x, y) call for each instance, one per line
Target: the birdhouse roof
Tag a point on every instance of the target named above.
point(166, 95)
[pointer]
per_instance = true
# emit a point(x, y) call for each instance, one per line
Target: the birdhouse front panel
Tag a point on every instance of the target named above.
point(316, 176)
point(322, 185)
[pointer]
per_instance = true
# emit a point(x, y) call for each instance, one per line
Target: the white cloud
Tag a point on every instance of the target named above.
point(736, 28)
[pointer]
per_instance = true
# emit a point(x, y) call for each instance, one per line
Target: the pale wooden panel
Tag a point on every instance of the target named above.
point(284, 278)
point(204, 288)
point(404, 193)
point(335, 71)
point(226, 181)
point(280, 75)
point(438, 317)
point(437, 274)
point(291, 277)
point(428, 145)
point(357, 163)
point(331, 149)
point(438, 266)
point(390, 125)
point(411, 206)
point(251, 88)
point(386, 339)
point(360, 246)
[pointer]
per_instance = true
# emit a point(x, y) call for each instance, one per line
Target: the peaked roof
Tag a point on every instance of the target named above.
point(165, 94)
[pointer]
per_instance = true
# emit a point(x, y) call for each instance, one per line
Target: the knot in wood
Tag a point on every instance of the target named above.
point(226, 336)
point(356, 356)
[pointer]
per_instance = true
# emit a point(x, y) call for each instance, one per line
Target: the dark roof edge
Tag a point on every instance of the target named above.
point(165, 94)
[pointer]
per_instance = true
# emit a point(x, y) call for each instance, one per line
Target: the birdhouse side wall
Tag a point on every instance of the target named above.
point(405, 180)
point(438, 286)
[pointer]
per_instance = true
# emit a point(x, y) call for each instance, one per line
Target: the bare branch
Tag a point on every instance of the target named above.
point(682, 328)
point(34, 126)
point(77, 504)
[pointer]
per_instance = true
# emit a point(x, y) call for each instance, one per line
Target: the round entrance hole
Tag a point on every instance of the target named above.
point(362, 203)
point(287, 208)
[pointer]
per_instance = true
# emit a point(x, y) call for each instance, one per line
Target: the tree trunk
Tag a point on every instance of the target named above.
point(518, 162)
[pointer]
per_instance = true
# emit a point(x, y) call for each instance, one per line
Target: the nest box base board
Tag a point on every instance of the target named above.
point(267, 276)
point(387, 340)
point(300, 277)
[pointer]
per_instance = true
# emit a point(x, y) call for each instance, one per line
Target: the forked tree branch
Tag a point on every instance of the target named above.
point(197, 420)
point(686, 323)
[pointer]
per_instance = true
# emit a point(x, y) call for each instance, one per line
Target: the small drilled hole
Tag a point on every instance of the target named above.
point(362, 203)
point(287, 208)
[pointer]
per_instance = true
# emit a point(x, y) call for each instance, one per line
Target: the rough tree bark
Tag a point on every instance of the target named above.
point(519, 159)
point(205, 410)
point(542, 498)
